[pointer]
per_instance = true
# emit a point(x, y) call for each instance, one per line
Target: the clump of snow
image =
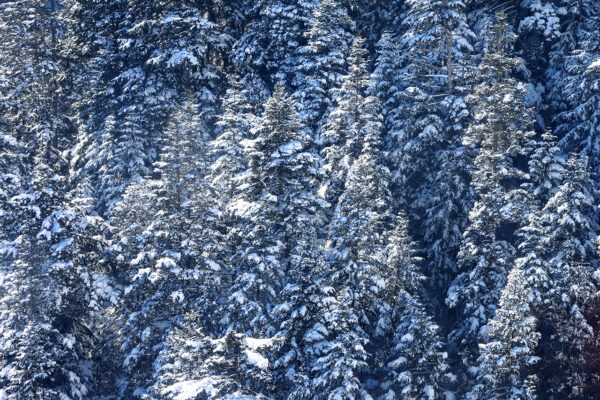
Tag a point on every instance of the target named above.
point(69, 341)
point(594, 67)
point(256, 344)
point(407, 338)
point(177, 296)
point(63, 244)
point(289, 148)
point(429, 392)
point(166, 262)
point(241, 207)
point(257, 359)
point(191, 389)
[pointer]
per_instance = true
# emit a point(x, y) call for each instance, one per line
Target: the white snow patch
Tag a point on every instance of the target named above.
point(241, 207)
point(429, 392)
point(177, 296)
point(256, 344)
point(212, 265)
point(289, 148)
point(594, 67)
point(63, 244)
point(407, 338)
point(257, 359)
point(191, 389)
point(69, 341)
point(166, 262)
point(180, 56)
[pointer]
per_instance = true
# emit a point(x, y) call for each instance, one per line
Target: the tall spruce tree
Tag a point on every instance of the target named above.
point(355, 113)
point(499, 134)
point(435, 46)
point(275, 197)
point(148, 55)
point(168, 247)
point(571, 228)
point(236, 121)
point(508, 361)
point(570, 94)
point(322, 62)
point(428, 115)
point(49, 248)
point(415, 363)
point(269, 46)
point(356, 257)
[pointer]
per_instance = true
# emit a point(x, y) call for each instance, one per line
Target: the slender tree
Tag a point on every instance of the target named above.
point(499, 132)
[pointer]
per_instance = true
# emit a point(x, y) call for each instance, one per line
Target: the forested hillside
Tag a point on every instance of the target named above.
point(299, 199)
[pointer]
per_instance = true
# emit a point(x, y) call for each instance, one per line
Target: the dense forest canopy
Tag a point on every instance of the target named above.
point(299, 199)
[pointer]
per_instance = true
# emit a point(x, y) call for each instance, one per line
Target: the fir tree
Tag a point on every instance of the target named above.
point(499, 132)
point(572, 227)
point(416, 365)
point(275, 198)
point(322, 62)
point(48, 296)
point(348, 123)
point(546, 169)
point(269, 46)
point(426, 119)
point(435, 45)
point(167, 245)
point(152, 54)
point(508, 361)
point(236, 122)
point(232, 366)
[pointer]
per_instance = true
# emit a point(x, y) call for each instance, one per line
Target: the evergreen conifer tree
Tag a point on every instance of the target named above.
point(275, 198)
point(322, 62)
point(499, 133)
point(193, 365)
point(167, 245)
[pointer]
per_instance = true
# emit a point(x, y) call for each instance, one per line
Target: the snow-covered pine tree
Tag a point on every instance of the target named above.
point(341, 356)
point(167, 245)
point(302, 298)
point(278, 236)
point(567, 83)
point(508, 363)
point(322, 61)
point(345, 130)
point(546, 169)
point(387, 80)
point(577, 124)
point(275, 198)
point(152, 53)
point(273, 34)
point(47, 285)
point(426, 118)
point(435, 45)
point(355, 257)
point(416, 365)
point(232, 366)
point(499, 133)
point(372, 266)
point(298, 312)
point(571, 227)
point(236, 121)
point(51, 289)
point(374, 17)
